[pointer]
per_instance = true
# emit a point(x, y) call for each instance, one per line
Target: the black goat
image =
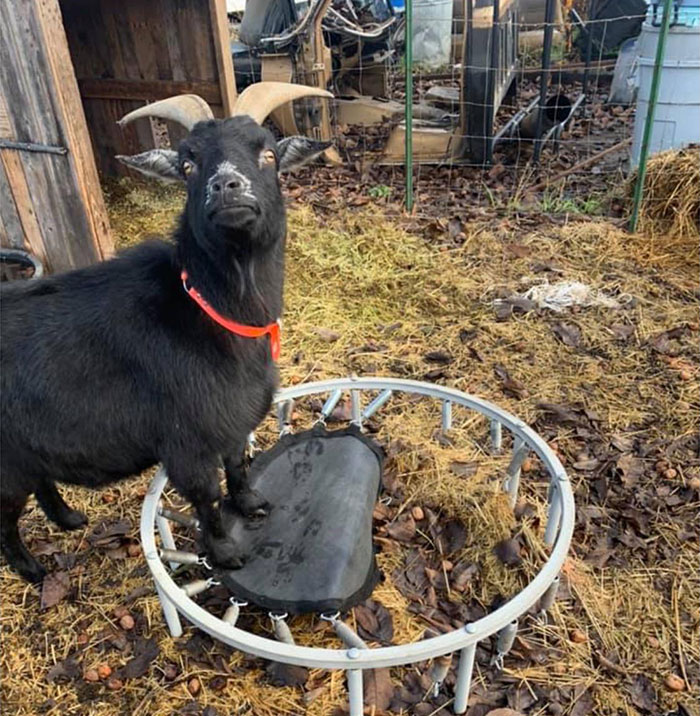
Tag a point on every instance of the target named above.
point(111, 369)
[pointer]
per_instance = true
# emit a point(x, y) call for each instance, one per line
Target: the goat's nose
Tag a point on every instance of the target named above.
point(219, 185)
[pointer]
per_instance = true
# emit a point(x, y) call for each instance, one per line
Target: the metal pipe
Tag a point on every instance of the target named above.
point(408, 118)
point(557, 111)
point(355, 675)
point(464, 678)
point(508, 129)
point(649, 121)
point(544, 77)
point(557, 127)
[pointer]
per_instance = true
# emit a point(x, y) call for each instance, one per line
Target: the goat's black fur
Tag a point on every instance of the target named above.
point(110, 369)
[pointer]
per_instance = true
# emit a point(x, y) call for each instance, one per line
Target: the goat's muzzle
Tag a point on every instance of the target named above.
point(230, 200)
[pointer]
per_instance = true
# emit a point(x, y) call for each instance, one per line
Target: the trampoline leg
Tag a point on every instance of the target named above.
point(355, 691)
point(464, 678)
point(446, 416)
point(172, 618)
point(554, 516)
point(356, 407)
point(496, 436)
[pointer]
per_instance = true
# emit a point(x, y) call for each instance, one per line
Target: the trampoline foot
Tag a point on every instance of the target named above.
point(464, 678)
point(355, 691)
point(172, 618)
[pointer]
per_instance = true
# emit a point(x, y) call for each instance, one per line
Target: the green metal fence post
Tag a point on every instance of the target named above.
point(408, 120)
point(649, 122)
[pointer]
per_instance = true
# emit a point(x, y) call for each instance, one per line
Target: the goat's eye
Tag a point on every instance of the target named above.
point(267, 157)
point(187, 167)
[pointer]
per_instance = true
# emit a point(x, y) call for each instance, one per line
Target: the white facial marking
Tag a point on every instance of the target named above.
point(226, 168)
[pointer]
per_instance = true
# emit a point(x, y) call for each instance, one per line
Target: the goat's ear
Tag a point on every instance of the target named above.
point(294, 152)
point(162, 164)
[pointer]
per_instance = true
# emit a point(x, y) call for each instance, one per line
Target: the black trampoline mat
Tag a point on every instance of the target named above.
point(314, 551)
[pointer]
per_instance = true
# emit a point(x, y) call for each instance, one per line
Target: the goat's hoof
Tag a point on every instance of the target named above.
point(251, 503)
point(73, 520)
point(32, 572)
point(224, 554)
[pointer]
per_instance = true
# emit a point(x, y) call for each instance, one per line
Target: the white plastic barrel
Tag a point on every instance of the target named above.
point(432, 32)
point(677, 116)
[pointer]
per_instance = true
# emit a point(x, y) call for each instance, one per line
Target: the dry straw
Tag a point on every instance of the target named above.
point(670, 210)
point(364, 296)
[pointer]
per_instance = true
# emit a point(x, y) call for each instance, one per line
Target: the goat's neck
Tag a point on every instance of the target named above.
point(242, 284)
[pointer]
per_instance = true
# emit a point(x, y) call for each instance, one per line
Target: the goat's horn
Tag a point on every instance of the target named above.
point(186, 109)
point(260, 99)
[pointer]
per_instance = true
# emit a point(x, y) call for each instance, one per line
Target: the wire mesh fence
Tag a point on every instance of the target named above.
point(505, 99)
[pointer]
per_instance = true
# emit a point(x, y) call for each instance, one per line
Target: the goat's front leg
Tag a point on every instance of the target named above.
point(198, 482)
point(244, 499)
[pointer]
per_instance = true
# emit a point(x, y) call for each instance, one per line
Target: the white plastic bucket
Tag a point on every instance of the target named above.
point(432, 32)
point(677, 116)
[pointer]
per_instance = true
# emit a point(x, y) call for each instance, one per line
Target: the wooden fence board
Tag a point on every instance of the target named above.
point(11, 232)
point(57, 197)
point(143, 51)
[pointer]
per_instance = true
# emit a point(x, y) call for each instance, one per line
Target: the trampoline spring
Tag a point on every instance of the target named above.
point(284, 416)
point(347, 635)
point(439, 670)
point(175, 555)
point(233, 612)
point(282, 631)
point(199, 586)
point(329, 405)
point(376, 404)
point(181, 518)
point(504, 643)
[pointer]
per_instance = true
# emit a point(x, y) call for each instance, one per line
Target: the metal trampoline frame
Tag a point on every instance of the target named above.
point(541, 591)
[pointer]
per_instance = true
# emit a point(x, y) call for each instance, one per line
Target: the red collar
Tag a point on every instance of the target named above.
point(240, 329)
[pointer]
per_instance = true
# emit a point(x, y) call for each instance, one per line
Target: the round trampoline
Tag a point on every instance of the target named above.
point(367, 396)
